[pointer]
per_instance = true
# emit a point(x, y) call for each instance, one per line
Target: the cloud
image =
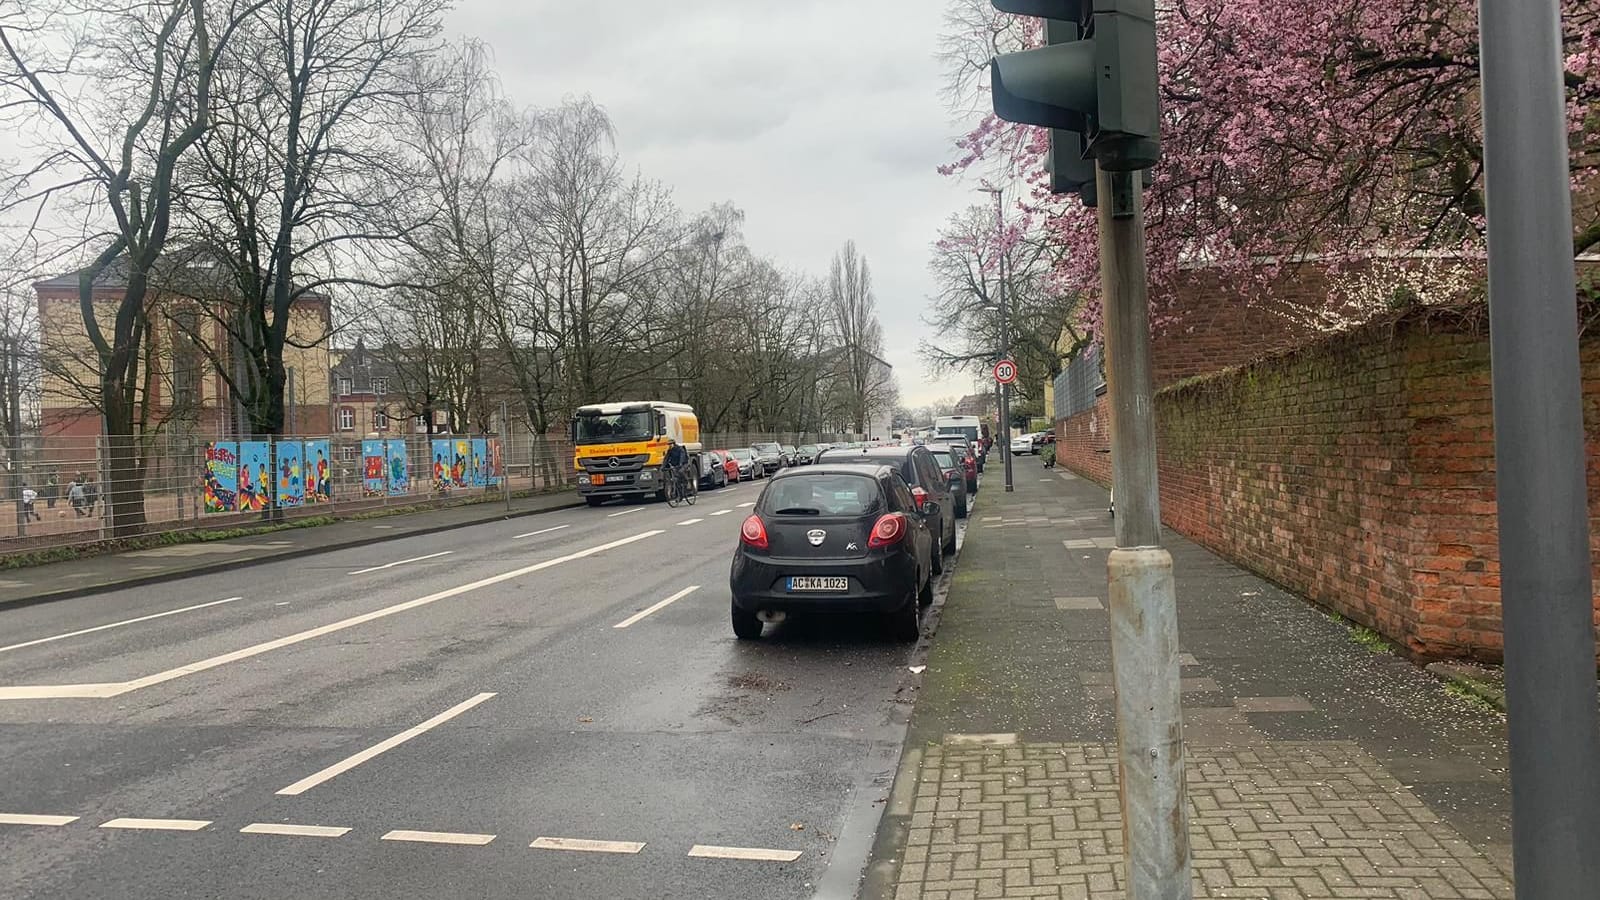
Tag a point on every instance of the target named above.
point(820, 118)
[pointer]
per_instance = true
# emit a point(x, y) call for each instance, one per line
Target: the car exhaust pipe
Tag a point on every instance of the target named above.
point(772, 616)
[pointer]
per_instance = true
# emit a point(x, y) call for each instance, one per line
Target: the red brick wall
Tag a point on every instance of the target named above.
point(1358, 471)
point(1217, 324)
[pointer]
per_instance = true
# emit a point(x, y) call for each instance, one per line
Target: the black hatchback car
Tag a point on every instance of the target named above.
point(834, 539)
point(926, 479)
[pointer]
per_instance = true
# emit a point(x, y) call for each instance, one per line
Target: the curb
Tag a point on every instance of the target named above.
point(1484, 684)
point(231, 564)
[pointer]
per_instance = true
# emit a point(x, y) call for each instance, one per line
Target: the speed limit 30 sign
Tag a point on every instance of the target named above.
point(1005, 371)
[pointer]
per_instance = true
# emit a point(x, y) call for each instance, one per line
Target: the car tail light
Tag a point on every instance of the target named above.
point(888, 530)
point(971, 465)
point(920, 495)
point(754, 533)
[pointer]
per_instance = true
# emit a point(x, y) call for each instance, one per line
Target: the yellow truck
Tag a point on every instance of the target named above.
point(618, 448)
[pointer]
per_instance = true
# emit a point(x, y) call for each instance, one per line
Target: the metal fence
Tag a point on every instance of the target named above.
point(183, 475)
point(1080, 382)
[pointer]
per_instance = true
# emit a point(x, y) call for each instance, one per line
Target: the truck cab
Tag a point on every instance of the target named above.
point(618, 448)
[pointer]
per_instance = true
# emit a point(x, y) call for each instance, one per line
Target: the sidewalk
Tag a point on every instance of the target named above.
point(1316, 768)
point(130, 568)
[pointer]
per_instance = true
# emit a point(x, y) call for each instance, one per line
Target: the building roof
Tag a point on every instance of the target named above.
point(193, 264)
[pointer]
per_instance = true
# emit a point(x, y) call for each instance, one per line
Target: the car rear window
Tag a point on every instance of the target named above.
point(823, 495)
point(944, 459)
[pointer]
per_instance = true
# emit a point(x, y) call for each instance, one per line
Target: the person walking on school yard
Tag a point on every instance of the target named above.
point(76, 495)
point(29, 498)
point(91, 494)
point(52, 491)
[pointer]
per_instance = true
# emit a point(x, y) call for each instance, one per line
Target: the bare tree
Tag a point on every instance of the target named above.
point(865, 385)
point(123, 91)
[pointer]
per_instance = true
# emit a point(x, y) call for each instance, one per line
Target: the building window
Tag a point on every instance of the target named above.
point(422, 423)
point(349, 452)
point(380, 385)
point(346, 387)
point(347, 419)
point(380, 420)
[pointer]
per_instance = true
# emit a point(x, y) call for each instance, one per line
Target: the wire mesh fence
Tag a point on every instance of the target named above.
point(67, 490)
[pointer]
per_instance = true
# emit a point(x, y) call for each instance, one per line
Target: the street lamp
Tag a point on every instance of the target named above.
point(1005, 337)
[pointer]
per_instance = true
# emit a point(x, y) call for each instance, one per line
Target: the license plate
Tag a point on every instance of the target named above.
point(818, 583)
point(616, 478)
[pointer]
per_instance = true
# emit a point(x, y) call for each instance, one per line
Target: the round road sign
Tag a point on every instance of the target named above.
point(1005, 371)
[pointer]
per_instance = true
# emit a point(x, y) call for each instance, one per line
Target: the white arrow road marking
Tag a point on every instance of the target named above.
point(159, 615)
point(661, 605)
point(116, 689)
point(350, 762)
point(401, 562)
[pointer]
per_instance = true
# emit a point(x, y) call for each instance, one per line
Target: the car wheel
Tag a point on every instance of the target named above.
point(938, 555)
point(972, 486)
point(746, 627)
point(950, 539)
point(925, 596)
point(961, 507)
point(905, 625)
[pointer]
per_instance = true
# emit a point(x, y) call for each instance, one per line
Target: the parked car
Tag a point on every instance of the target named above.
point(770, 455)
point(712, 474)
point(929, 488)
point(750, 467)
point(730, 466)
point(789, 455)
point(968, 454)
point(830, 538)
point(806, 454)
point(1022, 443)
point(954, 474)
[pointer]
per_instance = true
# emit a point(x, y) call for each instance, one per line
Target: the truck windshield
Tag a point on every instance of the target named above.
point(603, 429)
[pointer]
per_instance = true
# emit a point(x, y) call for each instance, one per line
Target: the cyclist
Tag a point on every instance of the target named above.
point(677, 463)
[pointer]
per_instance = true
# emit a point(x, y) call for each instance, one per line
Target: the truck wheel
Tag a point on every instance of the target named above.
point(595, 501)
point(746, 627)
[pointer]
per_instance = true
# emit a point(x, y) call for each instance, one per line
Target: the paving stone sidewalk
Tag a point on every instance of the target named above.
point(1316, 767)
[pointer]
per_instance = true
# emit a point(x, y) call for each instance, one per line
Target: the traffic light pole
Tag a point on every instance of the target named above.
point(1546, 590)
point(1144, 604)
point(1005, 337)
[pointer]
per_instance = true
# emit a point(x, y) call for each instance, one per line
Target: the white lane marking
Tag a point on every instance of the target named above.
point(706, 851)
point(691, 521)
point(747, 505)
point(26, 819)
point(438, 837)
point(624, 512)
point(557, 843)
point(661, 605)
point(159, 615)
point(158, 824)
point(400, 562)
point(722, 512)
point(350, 762)
point(539, 532)
point(326, 831)
point(117, 689)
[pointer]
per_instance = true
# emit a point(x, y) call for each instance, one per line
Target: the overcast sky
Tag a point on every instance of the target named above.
point(821, 119)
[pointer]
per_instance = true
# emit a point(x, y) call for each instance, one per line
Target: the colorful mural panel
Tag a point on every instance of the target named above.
point(442, 464)
point(480, 462)
point(374, 459)
point(220, 492)
point(319, 472)
point(255, 475)
point(291, 473)
point(399, 468)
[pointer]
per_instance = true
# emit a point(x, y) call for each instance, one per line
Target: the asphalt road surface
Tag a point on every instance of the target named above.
point(546, 707)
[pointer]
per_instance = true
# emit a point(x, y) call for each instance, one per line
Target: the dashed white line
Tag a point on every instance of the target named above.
point(539, 532)
point(158, 824)
point(747, 505)
point(323, 831)
point(159, 615)
point(400, 562)
point(624, 512)
point(722, 512)
point(661, 605)
point(26, 819)
point(579, 844)
point(350, 762)
point(759, 854)
point(691, 521)
point(439, 837)
point(118, 688)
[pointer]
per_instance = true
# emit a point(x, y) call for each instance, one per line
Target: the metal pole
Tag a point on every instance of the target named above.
point(1144, 607)
point(14, 407)
point(1005, 339)
point(1546, 592)
point(505, 440)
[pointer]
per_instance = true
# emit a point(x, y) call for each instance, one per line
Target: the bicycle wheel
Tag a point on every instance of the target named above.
point(693, 492)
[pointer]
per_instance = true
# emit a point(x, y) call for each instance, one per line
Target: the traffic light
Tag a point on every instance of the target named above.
point(1095, 76)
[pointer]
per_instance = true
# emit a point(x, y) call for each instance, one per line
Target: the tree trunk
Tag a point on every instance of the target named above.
point(123, 491)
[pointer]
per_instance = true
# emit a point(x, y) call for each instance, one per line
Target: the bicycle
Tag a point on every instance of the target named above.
point(681, 488)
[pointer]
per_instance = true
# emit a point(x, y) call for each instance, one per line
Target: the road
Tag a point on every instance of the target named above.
point(505, 710)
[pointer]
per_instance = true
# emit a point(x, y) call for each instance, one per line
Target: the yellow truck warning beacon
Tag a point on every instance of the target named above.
point(618, 448)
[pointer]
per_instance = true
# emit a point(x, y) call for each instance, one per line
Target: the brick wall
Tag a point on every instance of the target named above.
point(1215, 324)
point(1358, 471)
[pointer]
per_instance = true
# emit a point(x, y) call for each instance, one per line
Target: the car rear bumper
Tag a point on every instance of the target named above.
point(877, 584)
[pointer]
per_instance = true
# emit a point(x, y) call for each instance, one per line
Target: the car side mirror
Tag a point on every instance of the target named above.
point(930, 509)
